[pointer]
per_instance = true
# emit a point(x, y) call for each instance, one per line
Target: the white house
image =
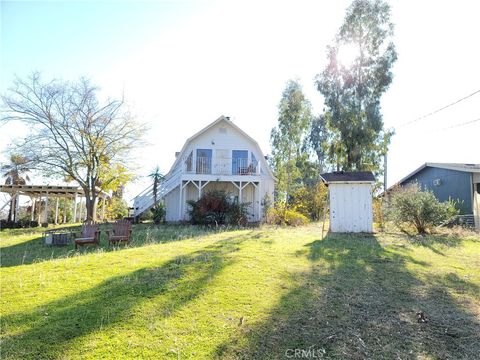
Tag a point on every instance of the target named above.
point(222, 157)
point(350, 195)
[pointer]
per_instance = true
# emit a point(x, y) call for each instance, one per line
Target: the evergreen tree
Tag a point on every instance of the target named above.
point(294, 118)
point(352, 88)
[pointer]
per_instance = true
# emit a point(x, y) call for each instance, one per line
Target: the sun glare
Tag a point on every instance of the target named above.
point(347, 53)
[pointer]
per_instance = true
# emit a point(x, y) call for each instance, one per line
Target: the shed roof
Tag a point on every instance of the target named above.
point(343, 176)
point(54, 190)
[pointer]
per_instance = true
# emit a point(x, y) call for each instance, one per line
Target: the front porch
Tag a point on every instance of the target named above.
point(243, 190)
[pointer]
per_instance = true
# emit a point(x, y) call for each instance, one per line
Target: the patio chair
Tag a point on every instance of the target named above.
point(90, 235)
point(122, 230)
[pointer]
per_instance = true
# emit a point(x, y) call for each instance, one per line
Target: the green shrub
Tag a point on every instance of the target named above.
point(278, 216)
point(378, 212)
point(311, 200)
point(237, 214)
point(117, 208)
point(158, 213)
point(294, 218)
point(412, 207)
point(215, 208)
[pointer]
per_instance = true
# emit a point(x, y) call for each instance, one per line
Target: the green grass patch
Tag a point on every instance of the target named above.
point(185, 292)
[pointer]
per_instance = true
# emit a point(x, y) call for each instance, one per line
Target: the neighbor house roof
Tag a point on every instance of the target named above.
point(354, 176)
point(474, 168)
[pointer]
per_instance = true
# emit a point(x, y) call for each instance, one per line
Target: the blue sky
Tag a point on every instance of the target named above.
point(182, 64)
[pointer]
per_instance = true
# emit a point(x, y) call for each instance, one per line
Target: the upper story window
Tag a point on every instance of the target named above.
point(189, 162)
point(239, 162)
point(204, 161)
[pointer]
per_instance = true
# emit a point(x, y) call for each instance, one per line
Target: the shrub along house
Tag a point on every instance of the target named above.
point(219, 157)
point(458, 182)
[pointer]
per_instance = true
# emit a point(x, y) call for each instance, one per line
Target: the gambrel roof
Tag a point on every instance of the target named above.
point(208, 127)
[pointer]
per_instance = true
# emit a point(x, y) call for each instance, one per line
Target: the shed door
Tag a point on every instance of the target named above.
point(350, 208)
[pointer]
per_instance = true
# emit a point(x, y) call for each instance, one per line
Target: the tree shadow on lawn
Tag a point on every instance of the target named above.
point(34, 250)
point(360, 301)
point(430, 241)
point(53, 326)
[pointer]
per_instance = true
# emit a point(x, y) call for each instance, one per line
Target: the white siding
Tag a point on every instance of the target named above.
point(172, 202)
point(350, 207)
point(222, 138)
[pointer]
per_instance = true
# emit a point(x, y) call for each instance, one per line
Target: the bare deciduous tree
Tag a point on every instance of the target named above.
point(72, 134)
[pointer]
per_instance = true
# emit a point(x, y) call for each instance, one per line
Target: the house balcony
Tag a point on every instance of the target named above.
point(236, 167)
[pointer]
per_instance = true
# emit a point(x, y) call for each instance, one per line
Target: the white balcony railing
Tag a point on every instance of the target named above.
point(207, 165)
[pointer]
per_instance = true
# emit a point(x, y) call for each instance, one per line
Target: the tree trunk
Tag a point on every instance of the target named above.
point(90, 205)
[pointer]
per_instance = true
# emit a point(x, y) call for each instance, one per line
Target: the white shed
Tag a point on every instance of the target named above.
point(350, 196)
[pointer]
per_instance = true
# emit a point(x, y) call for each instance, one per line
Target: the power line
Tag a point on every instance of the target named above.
point(438, 110)
point(461, 124)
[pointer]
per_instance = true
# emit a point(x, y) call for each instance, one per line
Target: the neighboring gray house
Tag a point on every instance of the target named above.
point(459, 182)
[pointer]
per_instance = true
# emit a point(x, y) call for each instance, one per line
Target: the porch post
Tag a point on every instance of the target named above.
point(240, 193)
point(56, 212)
point(257, 192)
point(75, 208)
point(180, 190)
point(199, 189)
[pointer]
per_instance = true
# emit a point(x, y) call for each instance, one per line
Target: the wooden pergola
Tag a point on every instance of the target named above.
point(47, 192)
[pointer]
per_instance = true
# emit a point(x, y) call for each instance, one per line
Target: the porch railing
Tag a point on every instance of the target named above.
point(203, 165)
point(227, 166)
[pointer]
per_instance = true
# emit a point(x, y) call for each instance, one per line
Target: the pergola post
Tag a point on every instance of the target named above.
point(75, 208)
point(81, 209)
point(56, 212)
point(103, 208)
point(46, 208)
point(65, 210)
point(32, 211)
point(17, 207)
point(39, 212)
